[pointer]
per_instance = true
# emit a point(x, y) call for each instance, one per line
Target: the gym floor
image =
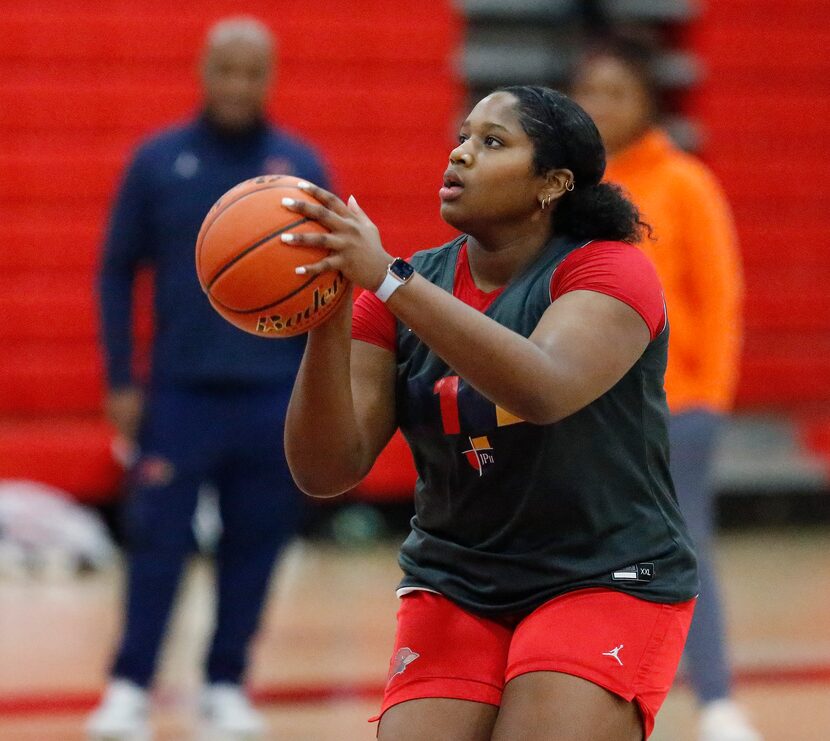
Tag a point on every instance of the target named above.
point(320, 660)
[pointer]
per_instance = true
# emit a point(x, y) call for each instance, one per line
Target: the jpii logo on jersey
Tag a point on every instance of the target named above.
point(480, 454)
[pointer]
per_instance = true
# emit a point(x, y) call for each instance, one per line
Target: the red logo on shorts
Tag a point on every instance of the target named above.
point(402, 659)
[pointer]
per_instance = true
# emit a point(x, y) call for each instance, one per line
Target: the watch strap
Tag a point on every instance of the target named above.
point(389, 285)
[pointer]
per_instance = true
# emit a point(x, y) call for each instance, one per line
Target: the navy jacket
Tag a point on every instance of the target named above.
point(173, 180)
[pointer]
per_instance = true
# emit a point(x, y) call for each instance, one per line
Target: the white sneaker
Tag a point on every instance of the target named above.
point(123, 715)
point(723, 720)
point(229, 714)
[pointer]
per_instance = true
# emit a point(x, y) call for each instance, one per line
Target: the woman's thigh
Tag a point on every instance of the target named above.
point(438, 718)
point(549, 706)
point(446, 673)
point(590, 660)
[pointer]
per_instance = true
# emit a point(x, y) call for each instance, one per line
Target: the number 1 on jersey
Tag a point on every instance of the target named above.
point(447, 390)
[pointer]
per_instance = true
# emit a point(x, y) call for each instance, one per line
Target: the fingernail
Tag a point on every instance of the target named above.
point(353, 200)
point(303, 184)
point(287, 237)
point(299, 271)
point(288, 202)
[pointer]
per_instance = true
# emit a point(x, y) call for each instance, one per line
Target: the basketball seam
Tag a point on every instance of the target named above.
point(248, 250)
point(273, 303)
point(271, 186)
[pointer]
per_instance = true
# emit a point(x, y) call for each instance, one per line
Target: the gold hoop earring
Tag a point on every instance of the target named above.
point(546, 201)
point(570, 185)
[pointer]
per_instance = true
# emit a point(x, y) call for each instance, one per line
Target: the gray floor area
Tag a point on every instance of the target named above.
point(762, 454)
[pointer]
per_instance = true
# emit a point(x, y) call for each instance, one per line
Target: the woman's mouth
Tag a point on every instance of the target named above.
point(450, 193)
point(452, 188)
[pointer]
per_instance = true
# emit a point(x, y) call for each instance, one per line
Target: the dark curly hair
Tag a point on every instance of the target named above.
point(564, 136)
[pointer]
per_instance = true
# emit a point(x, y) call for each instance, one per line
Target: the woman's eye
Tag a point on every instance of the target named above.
point(491, 141)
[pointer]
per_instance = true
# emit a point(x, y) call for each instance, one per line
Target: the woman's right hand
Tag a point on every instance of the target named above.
point(352, 239)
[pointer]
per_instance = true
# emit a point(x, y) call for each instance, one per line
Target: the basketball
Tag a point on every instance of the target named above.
point(247, 271)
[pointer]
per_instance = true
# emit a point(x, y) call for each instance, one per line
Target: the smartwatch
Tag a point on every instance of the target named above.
point(398, 273)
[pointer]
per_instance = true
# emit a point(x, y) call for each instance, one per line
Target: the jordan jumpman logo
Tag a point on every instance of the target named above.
point(614, 653)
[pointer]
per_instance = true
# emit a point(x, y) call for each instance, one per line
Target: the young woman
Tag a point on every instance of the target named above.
point(695, 252)
point(548, 579)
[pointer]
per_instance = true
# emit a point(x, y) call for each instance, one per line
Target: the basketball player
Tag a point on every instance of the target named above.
point(549, 579)
point(696, 255)
point(216, 400)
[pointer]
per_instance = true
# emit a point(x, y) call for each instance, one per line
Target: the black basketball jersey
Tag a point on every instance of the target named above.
point(510, 514)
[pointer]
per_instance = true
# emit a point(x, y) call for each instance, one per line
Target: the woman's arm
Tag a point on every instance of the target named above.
point(584, 343)
point(342, 408)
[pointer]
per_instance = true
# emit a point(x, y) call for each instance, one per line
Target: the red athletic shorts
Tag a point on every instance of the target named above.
point(624, 644)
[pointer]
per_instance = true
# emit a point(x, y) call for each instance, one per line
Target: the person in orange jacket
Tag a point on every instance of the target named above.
point(694, 248)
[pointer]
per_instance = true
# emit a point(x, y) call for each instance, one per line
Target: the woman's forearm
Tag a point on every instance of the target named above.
point(322, 441)
point(505, 367)
point(541, 379)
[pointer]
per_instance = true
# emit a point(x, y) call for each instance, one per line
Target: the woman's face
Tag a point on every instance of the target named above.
point(490, 178)
point(614, 96)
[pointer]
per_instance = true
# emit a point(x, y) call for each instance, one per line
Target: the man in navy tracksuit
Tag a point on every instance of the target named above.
point(215, 404)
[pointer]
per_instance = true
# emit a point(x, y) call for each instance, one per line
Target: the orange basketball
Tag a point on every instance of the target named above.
point(247, 271)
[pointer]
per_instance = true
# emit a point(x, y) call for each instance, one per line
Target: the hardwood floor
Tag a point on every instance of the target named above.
point(323, 648)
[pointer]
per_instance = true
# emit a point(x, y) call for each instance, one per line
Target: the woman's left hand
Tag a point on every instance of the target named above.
point(353, 239)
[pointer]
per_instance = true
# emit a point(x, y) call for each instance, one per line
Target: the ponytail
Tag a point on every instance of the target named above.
point(599, 211)
point(564, 136)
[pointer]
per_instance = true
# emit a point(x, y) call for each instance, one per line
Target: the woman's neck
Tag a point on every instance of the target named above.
point(494, 262)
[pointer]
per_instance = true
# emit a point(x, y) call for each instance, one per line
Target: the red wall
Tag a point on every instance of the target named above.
point(765, 105)
point(370, 82)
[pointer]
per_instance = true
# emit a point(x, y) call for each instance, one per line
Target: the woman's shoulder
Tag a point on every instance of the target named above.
point(617, 269)
point(607, 261)
point(599, 247)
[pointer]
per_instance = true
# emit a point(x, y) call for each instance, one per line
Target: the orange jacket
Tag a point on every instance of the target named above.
point(696, 255)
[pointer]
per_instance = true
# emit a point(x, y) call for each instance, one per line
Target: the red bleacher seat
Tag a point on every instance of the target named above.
point(765, 107)
point(74, 455)
point(62, 313)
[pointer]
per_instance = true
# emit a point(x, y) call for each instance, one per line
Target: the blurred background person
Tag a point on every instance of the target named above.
point(214, 407)
point(694, 249)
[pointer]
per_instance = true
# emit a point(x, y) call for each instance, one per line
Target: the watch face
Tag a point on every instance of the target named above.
point(401, 269)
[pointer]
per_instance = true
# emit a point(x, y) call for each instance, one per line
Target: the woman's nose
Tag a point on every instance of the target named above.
point(459, 157)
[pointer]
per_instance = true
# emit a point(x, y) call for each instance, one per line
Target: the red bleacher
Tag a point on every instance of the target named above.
point(765, 106)
point(370, 82)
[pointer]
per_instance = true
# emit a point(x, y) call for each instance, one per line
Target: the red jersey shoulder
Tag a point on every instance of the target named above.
point(617, 269)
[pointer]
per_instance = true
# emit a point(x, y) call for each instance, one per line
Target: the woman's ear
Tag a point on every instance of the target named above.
point(561, 181)
point(558, 183)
